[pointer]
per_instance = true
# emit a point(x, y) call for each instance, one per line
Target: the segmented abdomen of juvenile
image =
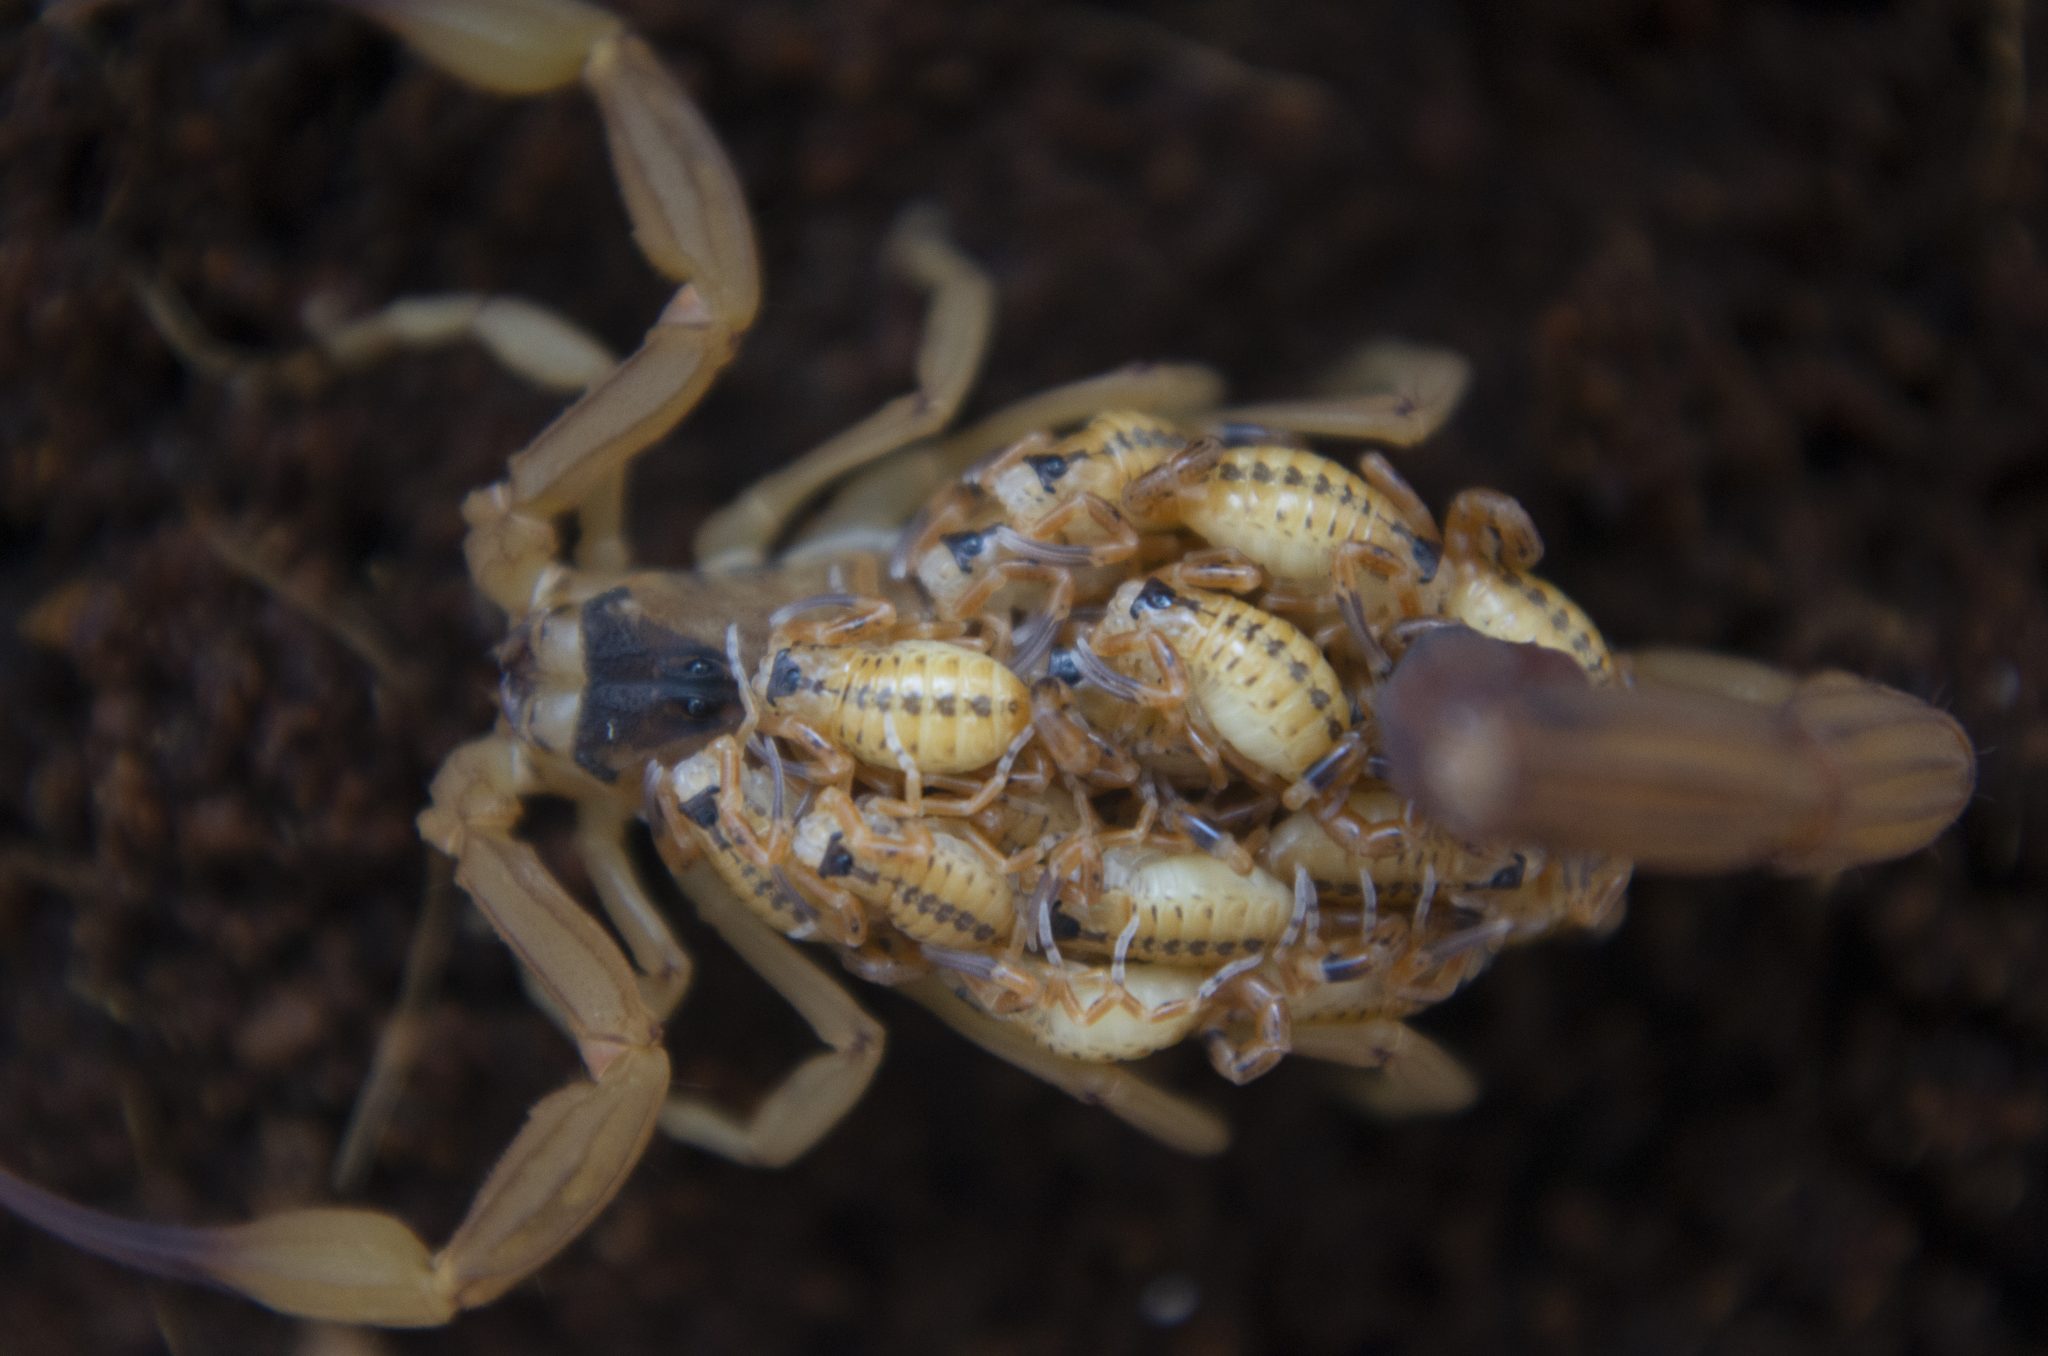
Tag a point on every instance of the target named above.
point(953, 709)
point(1266, 689)
point(1194, 910)
point(953, 898)
point(697, 803)
point(1525, 609)
point(1290, 510)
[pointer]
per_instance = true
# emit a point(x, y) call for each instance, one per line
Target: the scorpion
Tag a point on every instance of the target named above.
point(1487, 748)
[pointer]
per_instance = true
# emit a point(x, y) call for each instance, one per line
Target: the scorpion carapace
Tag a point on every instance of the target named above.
point(1116, 719)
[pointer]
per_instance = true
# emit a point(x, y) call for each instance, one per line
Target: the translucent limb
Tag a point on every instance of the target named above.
point(813, 1097)
point(1173, 1120)
point(1379, 473)
point(1708, 764)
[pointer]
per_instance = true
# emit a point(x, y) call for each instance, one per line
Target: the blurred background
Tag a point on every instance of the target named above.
point(1754, 299)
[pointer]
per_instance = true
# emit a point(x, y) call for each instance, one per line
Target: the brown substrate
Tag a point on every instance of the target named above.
point(1760, 330)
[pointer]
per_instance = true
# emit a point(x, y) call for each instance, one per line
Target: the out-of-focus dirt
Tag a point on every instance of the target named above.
point(1755, 300)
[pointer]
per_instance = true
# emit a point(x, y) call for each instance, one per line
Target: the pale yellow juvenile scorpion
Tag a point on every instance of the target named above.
point(617, 683)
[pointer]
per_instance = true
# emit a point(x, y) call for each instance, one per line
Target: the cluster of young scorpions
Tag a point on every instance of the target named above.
point(1113, 720)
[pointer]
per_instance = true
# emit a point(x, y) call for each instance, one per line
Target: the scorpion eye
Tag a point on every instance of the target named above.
point(965, 546)
point(1049, 467)
point(1154, 597)
point(696, 708)
point(700, 667)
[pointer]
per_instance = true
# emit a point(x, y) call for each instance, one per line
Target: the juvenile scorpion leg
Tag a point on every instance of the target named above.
point(563, 1167)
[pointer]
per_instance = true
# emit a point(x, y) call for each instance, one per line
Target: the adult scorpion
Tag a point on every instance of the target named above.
point(617, 681)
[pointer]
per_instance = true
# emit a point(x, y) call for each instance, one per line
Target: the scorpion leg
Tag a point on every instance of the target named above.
point(1490, 526)
point(664, 968)
point(1707, 764)
point(531, 341)
point(690, 220)
point(398, 1043)
point(564, 1166)
point(1392, 1070)
point(957, 324)
point(1390, 392)
point(814, 1096)
point(867, 513)
point(1175, 1121)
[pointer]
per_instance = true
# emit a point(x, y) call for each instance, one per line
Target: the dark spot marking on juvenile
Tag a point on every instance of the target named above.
point(1508, 877)
point(1050, 469)
point(837, 861)
point(1229, 473)
point(1154, 597)
point(966, 548)
point(1261, 473)
point(1428, 555)
point(982, 705)
point(785, 677)
point(702, 808)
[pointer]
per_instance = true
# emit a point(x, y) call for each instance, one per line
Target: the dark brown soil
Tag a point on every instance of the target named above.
point(1756, 304)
